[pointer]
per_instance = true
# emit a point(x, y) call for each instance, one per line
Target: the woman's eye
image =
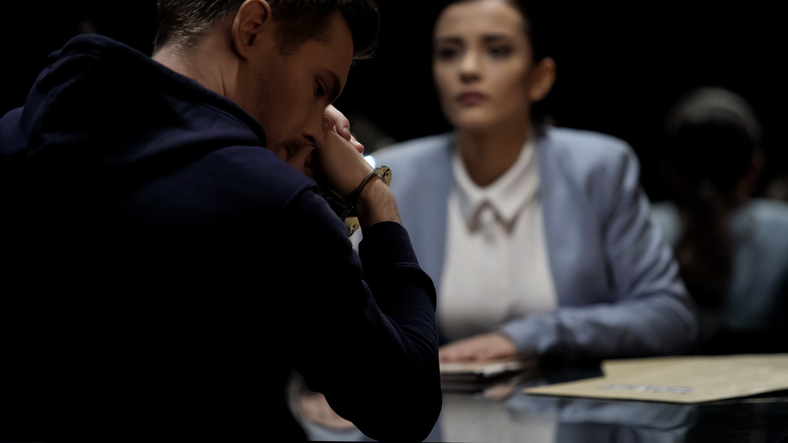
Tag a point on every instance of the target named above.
point(500, 51)
point(446, 53)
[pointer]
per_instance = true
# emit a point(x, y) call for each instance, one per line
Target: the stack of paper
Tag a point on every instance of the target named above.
point(680, 379)
point(477, 376)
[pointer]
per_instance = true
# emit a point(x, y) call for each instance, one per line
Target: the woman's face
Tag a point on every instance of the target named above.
point(482, 65)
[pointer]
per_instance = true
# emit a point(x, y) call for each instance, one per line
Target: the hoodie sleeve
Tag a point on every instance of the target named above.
point(363, 324)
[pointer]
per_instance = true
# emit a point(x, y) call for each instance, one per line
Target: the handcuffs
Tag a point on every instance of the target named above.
point(346, 207)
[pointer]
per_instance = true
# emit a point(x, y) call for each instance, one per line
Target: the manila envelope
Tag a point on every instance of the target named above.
point(680, 379)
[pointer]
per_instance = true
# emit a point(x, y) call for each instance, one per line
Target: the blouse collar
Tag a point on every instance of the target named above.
point(506, 196)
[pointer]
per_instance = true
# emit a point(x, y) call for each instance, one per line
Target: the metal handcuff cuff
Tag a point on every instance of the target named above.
point(349, 215)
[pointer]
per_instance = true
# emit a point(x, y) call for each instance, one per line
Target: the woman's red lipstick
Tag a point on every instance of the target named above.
point(471, 98)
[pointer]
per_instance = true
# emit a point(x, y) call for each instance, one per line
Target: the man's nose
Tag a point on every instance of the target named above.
point(316, 126)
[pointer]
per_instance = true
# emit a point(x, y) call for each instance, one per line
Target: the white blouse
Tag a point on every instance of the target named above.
point(496, 266)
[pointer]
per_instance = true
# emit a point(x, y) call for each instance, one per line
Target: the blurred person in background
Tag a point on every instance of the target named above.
point(539, 238)
point(778, 188)
point(732, 248)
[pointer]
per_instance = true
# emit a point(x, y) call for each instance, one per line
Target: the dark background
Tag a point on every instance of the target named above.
point(620, 67)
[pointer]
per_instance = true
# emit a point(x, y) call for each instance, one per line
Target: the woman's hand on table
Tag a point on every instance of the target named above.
point(491, 346)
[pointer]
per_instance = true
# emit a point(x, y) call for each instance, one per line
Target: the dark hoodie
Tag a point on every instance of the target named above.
point(164, 271)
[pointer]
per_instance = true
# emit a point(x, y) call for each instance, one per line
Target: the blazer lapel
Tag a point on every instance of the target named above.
point(572, 236)
point(422, 182)
point(432, 208)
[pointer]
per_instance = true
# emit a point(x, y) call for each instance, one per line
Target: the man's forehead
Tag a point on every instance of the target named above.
point(334, 50)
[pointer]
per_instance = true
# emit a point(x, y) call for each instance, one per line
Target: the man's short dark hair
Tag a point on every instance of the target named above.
point(184, 22)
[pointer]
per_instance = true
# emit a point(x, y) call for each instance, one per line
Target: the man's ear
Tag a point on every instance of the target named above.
point(542, 79)
point(252, 23)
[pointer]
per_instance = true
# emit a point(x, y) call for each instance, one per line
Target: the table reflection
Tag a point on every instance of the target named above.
point(504, 413)
point(523, 417)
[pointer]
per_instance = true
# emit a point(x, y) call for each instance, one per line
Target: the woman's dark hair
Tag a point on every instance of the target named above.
point(710, 137)
point(538, 27)
point(185, 21)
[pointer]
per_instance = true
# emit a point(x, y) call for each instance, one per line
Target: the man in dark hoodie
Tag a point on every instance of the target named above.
point(168, 256)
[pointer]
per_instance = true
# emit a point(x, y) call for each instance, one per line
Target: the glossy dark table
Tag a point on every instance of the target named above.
point(506, 414)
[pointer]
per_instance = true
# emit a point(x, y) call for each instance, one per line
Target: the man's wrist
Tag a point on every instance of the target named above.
point(376, 204)
point(352, 199)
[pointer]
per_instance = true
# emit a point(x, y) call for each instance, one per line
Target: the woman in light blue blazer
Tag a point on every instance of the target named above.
point(599, 280)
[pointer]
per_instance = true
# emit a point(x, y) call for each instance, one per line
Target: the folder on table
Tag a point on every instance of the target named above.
point(680, 379)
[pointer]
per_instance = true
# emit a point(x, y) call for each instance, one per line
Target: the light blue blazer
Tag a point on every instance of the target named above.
point(618, 287)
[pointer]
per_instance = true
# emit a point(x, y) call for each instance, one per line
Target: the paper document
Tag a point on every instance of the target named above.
point(477, 376)
point(680, 379)
point(486, 368)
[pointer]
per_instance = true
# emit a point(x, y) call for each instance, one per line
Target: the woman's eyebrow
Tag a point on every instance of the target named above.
point(496, 37)
point(487, 38)
point(450, 39)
